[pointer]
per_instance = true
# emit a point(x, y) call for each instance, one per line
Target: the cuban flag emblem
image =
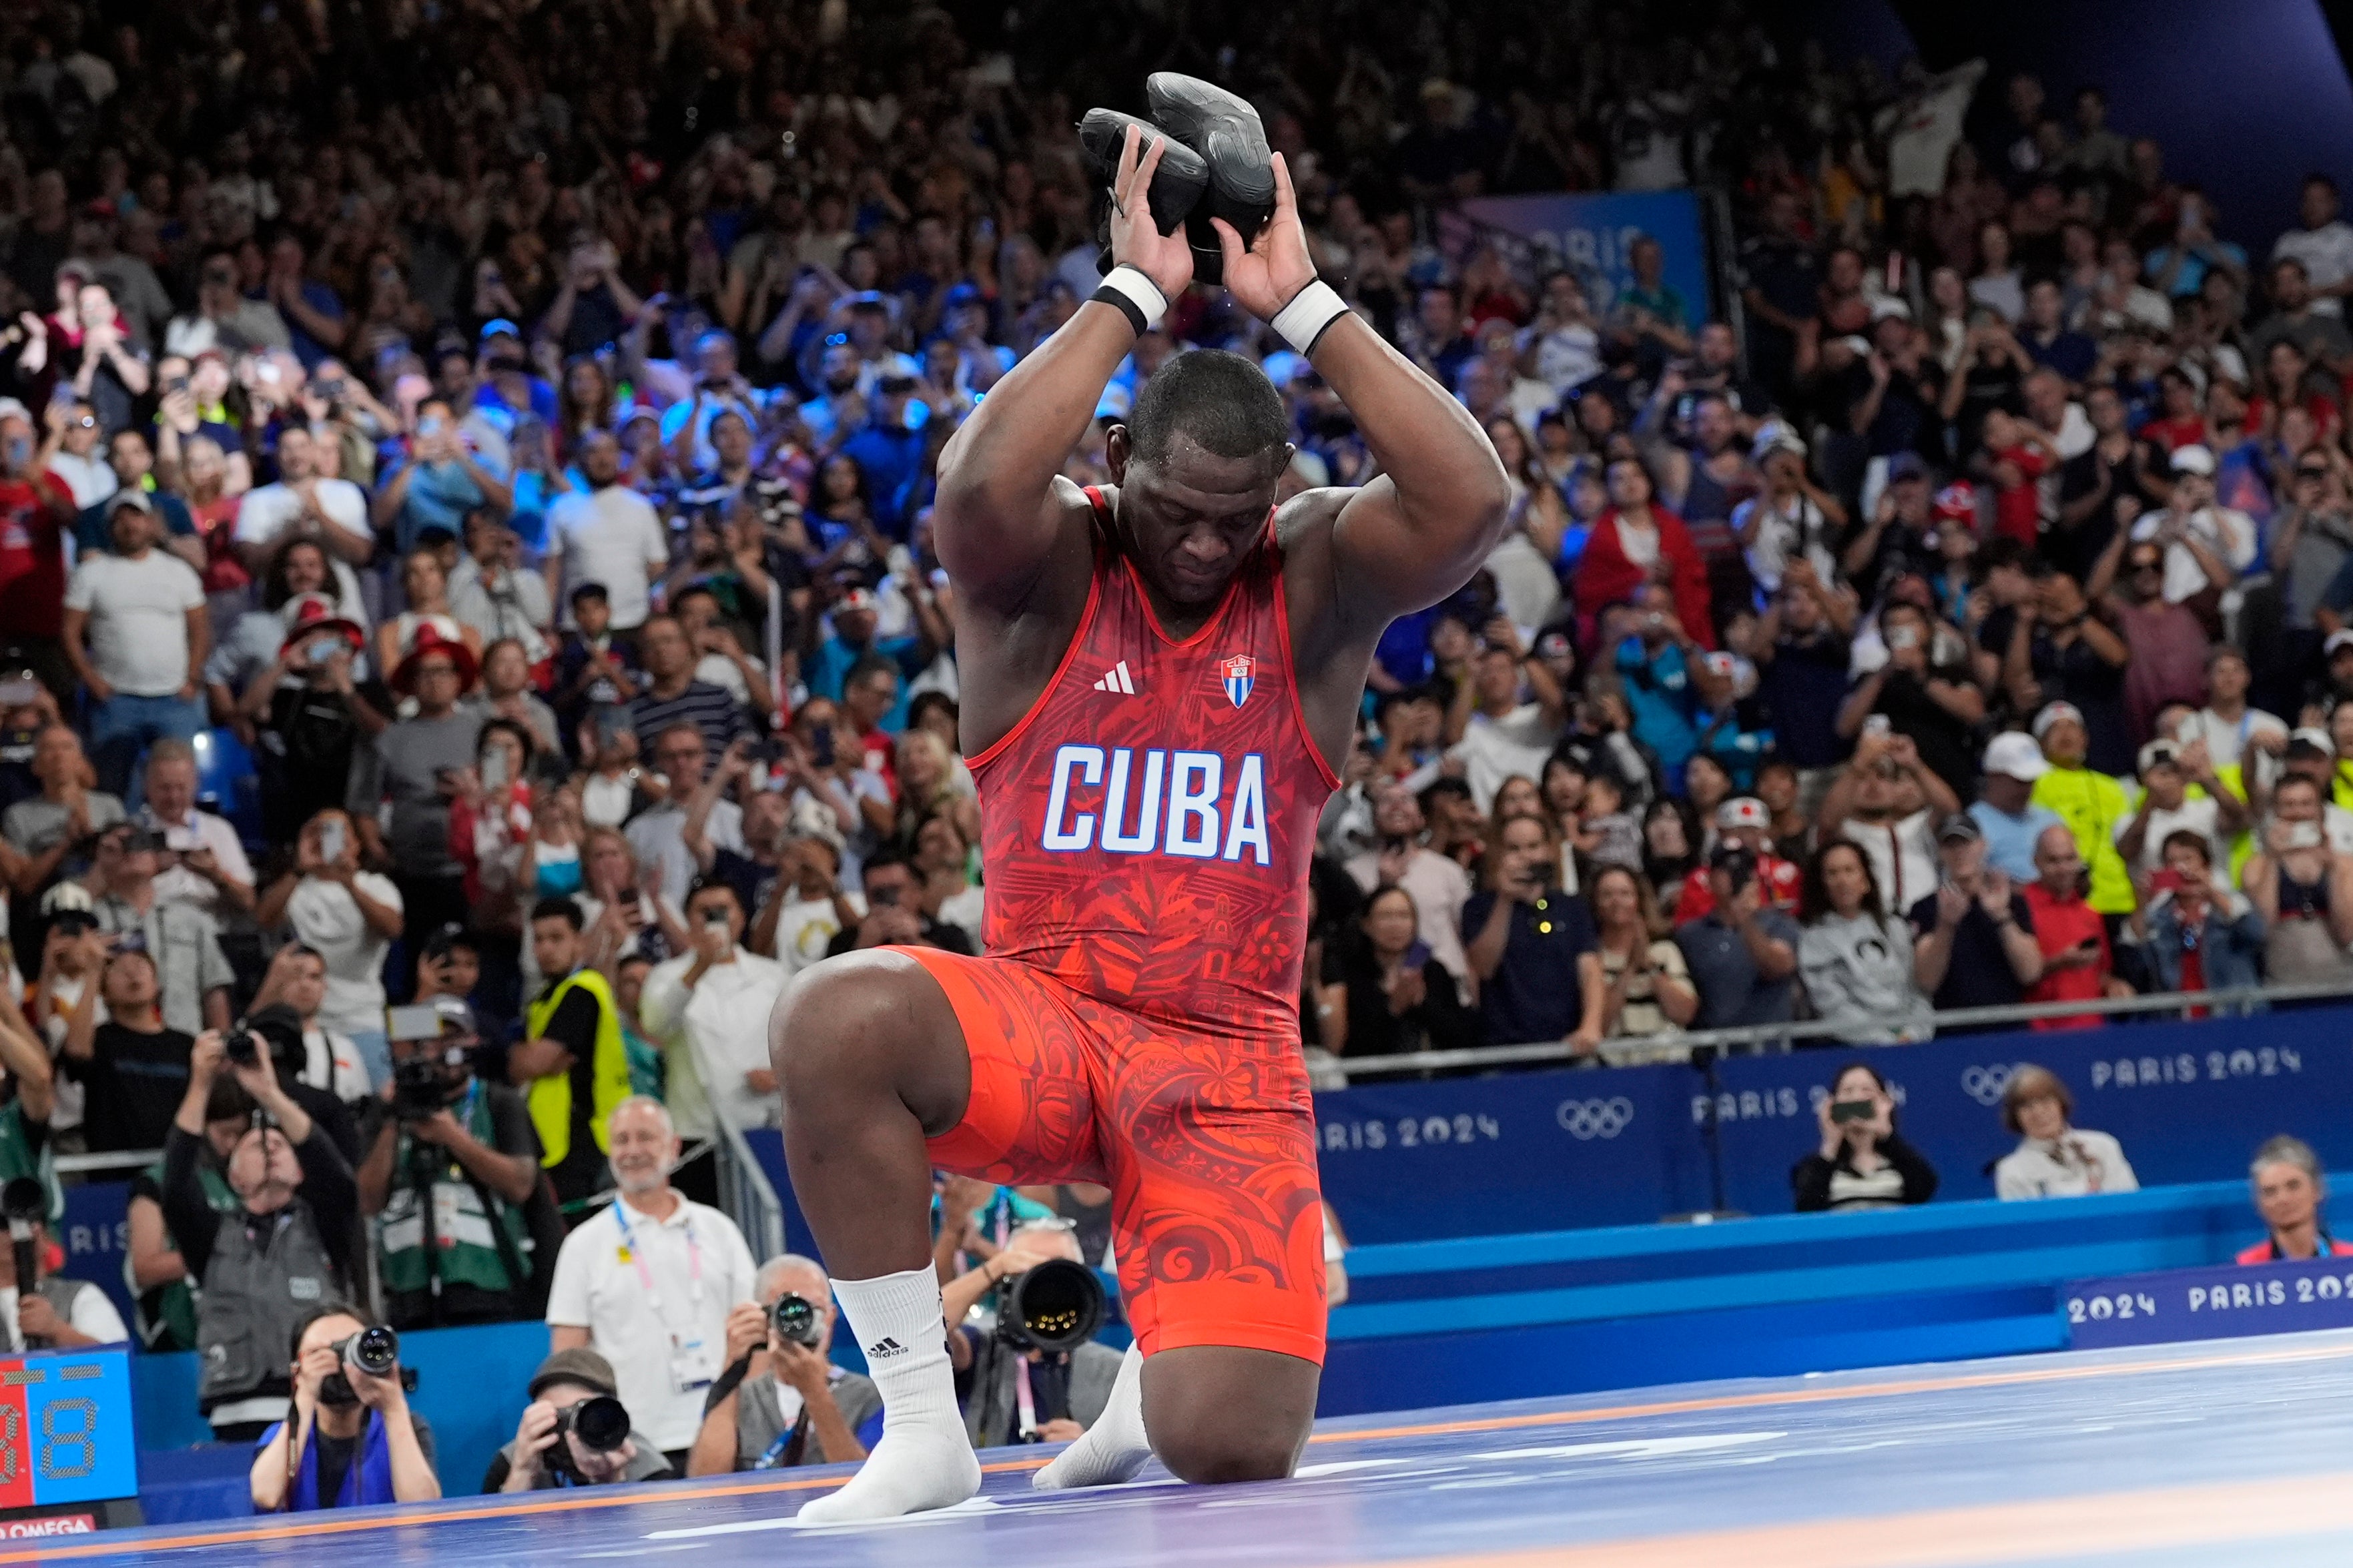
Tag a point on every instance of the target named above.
point(1237, 673)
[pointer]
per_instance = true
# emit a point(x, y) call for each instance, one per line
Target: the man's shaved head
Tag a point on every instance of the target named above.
point(1222, 401)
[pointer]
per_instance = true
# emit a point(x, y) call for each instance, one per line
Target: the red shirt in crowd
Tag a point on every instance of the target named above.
point(33, 516)
point(2059, 926)
point(2017, 505)
point(1781, 881)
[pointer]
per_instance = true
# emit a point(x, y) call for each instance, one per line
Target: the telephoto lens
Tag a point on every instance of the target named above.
point(797, 1319)
point(374, 1351)
point(1054, 1305)
point(601, 1423)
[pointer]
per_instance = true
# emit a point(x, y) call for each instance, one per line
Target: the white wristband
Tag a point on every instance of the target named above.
point(1132, 285)
point(1311, 310)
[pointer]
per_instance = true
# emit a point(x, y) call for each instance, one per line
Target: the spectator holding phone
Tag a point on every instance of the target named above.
point(1863, 1162)
point(2198, 933)
point(894, 911)
point(1400, 998)
point(1531, 945)
point(714, 1000)
point(348, 917)
point(2055, 1159)
point(2303, 889)
point(415, 768)
point(1973, 938)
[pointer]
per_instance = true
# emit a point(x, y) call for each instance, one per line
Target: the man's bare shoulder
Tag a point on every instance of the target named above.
point(1302, 525)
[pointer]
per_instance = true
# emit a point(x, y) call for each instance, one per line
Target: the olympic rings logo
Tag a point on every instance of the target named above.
point(1985, 1085)
point(1585, 1119)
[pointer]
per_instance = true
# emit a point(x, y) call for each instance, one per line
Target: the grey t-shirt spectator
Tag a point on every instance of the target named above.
point(761, 1421)
point(1732, 993)
point(401, 769)
point(184, 943)
point(34, 825)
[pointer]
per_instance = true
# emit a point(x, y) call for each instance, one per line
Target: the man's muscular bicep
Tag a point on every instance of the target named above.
point(1386, 563)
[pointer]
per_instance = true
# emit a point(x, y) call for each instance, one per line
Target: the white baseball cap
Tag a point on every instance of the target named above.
point(2015, 756)
point(2193, 460)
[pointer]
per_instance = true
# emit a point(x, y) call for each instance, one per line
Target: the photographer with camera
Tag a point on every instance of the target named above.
point(781, 1403)
point(1035, 1374)
point(575, 1433)
point(1533, 947)
point(450, 1166)
point(352, 1440)
point(1742, 953)
point(280, 1252)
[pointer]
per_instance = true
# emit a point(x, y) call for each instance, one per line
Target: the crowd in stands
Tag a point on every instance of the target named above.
point(508, 432)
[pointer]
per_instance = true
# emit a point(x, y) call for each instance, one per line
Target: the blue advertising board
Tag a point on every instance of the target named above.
point(1592, 233)
point(1527, 1150)
point(2227, 1303)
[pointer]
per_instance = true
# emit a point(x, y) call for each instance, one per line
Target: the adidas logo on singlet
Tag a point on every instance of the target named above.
point(1117, 680)
point(885, 1350)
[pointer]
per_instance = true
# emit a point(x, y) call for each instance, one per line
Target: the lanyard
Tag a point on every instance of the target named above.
point(1025, 1399)
point(645, 1276)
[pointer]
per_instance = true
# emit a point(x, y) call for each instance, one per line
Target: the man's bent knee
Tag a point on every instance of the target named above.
point(866, 1018)
point(1215, 1458)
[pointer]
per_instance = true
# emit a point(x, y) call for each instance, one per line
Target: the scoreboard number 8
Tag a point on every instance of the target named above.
point(57, 1437)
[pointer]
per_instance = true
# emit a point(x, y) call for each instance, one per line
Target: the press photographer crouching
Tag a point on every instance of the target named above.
point(280, 1252)
point(452, 1163)
point(1035, 1374)
point(575, 1433)
point(352, 1441)
point(780, 1402)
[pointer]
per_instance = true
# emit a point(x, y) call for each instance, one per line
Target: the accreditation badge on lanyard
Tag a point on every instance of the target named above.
point(692, 1362)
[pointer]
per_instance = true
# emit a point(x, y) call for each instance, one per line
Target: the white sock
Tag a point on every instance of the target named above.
point(1115, 1447)
point(924, 1460)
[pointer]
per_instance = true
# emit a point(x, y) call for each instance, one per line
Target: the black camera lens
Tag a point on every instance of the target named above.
point(600, 1422)
point(24, 1198)
point(797, 1319)
point(374, 1351)
point(242, 1046)
point(1054, 1305)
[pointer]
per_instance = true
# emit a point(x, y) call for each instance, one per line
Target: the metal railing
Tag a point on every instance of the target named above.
point(1677, 1046)
point(745, 1193)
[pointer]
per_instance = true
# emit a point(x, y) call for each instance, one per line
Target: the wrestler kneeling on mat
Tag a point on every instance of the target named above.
point(1157, 677)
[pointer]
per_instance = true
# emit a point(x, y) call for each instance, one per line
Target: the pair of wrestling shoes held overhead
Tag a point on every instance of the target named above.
point(1216, 148)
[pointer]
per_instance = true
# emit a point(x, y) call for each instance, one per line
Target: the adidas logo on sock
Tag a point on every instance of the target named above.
point(1118, 680)
point(885, 1350)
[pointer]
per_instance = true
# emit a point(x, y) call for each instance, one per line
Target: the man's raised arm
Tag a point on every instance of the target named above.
point(997, 521)
point(1416, 533)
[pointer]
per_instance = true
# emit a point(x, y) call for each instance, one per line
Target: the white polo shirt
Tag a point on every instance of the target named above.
point(700, 1270)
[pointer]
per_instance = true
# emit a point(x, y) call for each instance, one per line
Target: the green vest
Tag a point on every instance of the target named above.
point(2091, 805)
point(465, 1250)
point(167, 1314)
point(17, 1159)
point(550, 1097)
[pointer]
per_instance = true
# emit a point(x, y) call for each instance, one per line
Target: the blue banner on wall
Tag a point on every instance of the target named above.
point(97, 1239)
point(1524, 1152)
point(1592, 233)
point(2209, 1303)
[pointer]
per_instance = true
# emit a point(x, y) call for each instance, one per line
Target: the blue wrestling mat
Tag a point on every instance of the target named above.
point(2193, 1455)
